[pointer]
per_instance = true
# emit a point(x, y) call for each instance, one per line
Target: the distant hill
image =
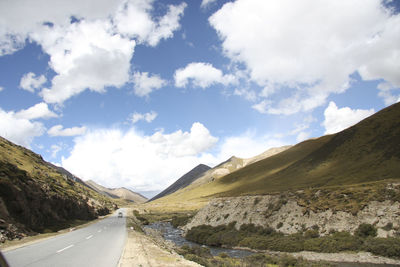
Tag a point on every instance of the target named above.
point(366, 152)
point(117, 193)
point(36, 196)
point(184, 181)
point(233, 164)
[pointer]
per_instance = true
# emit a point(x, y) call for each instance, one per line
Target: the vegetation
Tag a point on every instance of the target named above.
point(36, 196)
point(257, 237)
point(364, 154)
point(176, 218)
point(203, 256)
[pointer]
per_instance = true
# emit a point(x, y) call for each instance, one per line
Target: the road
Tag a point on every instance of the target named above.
point(99, 244)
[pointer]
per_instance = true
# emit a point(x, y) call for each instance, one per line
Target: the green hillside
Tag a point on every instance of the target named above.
point(367, 152)
point(36, 196)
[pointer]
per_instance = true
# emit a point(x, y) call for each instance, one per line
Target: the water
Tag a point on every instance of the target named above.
point(174, 235)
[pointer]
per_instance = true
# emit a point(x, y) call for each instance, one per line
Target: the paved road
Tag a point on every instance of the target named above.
point(99, 244)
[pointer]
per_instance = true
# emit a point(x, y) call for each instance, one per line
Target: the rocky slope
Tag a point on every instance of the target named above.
point(184, 181)
point(36, 196)
point(117, 193)
point(291, 213)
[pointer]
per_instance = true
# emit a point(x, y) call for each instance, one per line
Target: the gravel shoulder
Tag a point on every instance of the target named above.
point(142, 250)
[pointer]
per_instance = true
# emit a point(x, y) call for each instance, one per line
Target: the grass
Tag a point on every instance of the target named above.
point(363, 154)
point(38, 197)
point(203, 256)
point(257, 237)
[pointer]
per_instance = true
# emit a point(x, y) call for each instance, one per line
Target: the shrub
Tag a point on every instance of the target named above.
point(365, 230)
point(279, 225)
point(388, 247)
point(311, 234)
point(388, 226)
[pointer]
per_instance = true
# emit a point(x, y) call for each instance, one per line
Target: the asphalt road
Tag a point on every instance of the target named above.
point(99, 244)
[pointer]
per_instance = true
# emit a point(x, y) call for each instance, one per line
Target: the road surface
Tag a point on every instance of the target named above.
point(99, 244)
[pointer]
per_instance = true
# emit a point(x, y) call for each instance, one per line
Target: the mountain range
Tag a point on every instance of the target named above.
point(366, 152)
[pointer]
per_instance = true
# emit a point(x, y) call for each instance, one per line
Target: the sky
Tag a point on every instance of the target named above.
point(136, 93)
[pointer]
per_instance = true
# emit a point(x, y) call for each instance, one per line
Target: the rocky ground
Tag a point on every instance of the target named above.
point(289, 217)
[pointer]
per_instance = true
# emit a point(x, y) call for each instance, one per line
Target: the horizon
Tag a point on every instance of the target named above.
point(135, 94)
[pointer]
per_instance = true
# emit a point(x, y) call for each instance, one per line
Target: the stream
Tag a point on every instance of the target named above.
point(174, 235)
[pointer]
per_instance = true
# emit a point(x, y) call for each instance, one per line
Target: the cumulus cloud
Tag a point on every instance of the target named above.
point(38, 111)
point(84, 55)
point(307, 49)
point(58, 130)
point(19, 18)
point(1, 88)
point(145, 84)
point(19, 129)
point(148, 117)
point(29, 82)
point(338, 119)
point(114, 157)
point(206, 3)
point(93, 51)
point(134, 20)
point(246, 145)
point(201, 75)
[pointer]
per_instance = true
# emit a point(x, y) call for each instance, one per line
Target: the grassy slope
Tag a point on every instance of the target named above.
point(366, 152)
point(36, 196)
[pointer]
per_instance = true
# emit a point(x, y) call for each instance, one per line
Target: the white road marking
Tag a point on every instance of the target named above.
point(89, 237)
point(61, 250)
point(99, 231)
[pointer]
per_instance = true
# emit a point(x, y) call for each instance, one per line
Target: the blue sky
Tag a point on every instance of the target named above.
point(136, 93)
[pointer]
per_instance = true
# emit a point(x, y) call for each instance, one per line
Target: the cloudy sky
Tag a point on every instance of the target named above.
point(136, 93)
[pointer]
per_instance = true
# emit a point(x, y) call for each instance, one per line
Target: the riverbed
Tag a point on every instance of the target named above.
point(175, 235)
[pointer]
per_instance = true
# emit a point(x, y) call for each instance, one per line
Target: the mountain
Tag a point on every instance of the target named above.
point(117, 193)
point(233, 164)
point(366, 152)
point(184, 181)
point(36, 196)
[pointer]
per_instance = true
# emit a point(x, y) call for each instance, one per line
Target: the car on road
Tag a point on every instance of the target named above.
point(120, 214)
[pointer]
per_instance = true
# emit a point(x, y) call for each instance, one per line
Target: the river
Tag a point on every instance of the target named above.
point(174, 235)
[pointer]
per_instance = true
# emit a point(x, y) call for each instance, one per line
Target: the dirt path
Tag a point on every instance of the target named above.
point(141, 250)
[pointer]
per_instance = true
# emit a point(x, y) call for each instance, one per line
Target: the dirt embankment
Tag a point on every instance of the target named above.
point(289, 217)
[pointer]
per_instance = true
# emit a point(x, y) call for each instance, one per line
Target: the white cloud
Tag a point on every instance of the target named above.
point(19, 18)
point(58, 130)
point(29, 82)
point(145, 84)
point(94, 52)
point(84, 55)
point(134, 19)
point(38, 111)
point(1, 88)
point(148, 117)
point(54, 150)
point(202, 75)
point(307, 49)
point(114, 157)
point(246, 145)
point(338, 119)
point(206, 3)
point(19, 130)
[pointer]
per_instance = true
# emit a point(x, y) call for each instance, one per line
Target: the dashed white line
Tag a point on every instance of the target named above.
point(89, 237)
point(61, 250)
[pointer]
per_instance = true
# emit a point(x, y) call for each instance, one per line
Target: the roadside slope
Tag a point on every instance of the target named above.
point(35, 196)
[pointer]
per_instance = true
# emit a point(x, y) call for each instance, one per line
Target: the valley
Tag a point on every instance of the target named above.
point(324, 201)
